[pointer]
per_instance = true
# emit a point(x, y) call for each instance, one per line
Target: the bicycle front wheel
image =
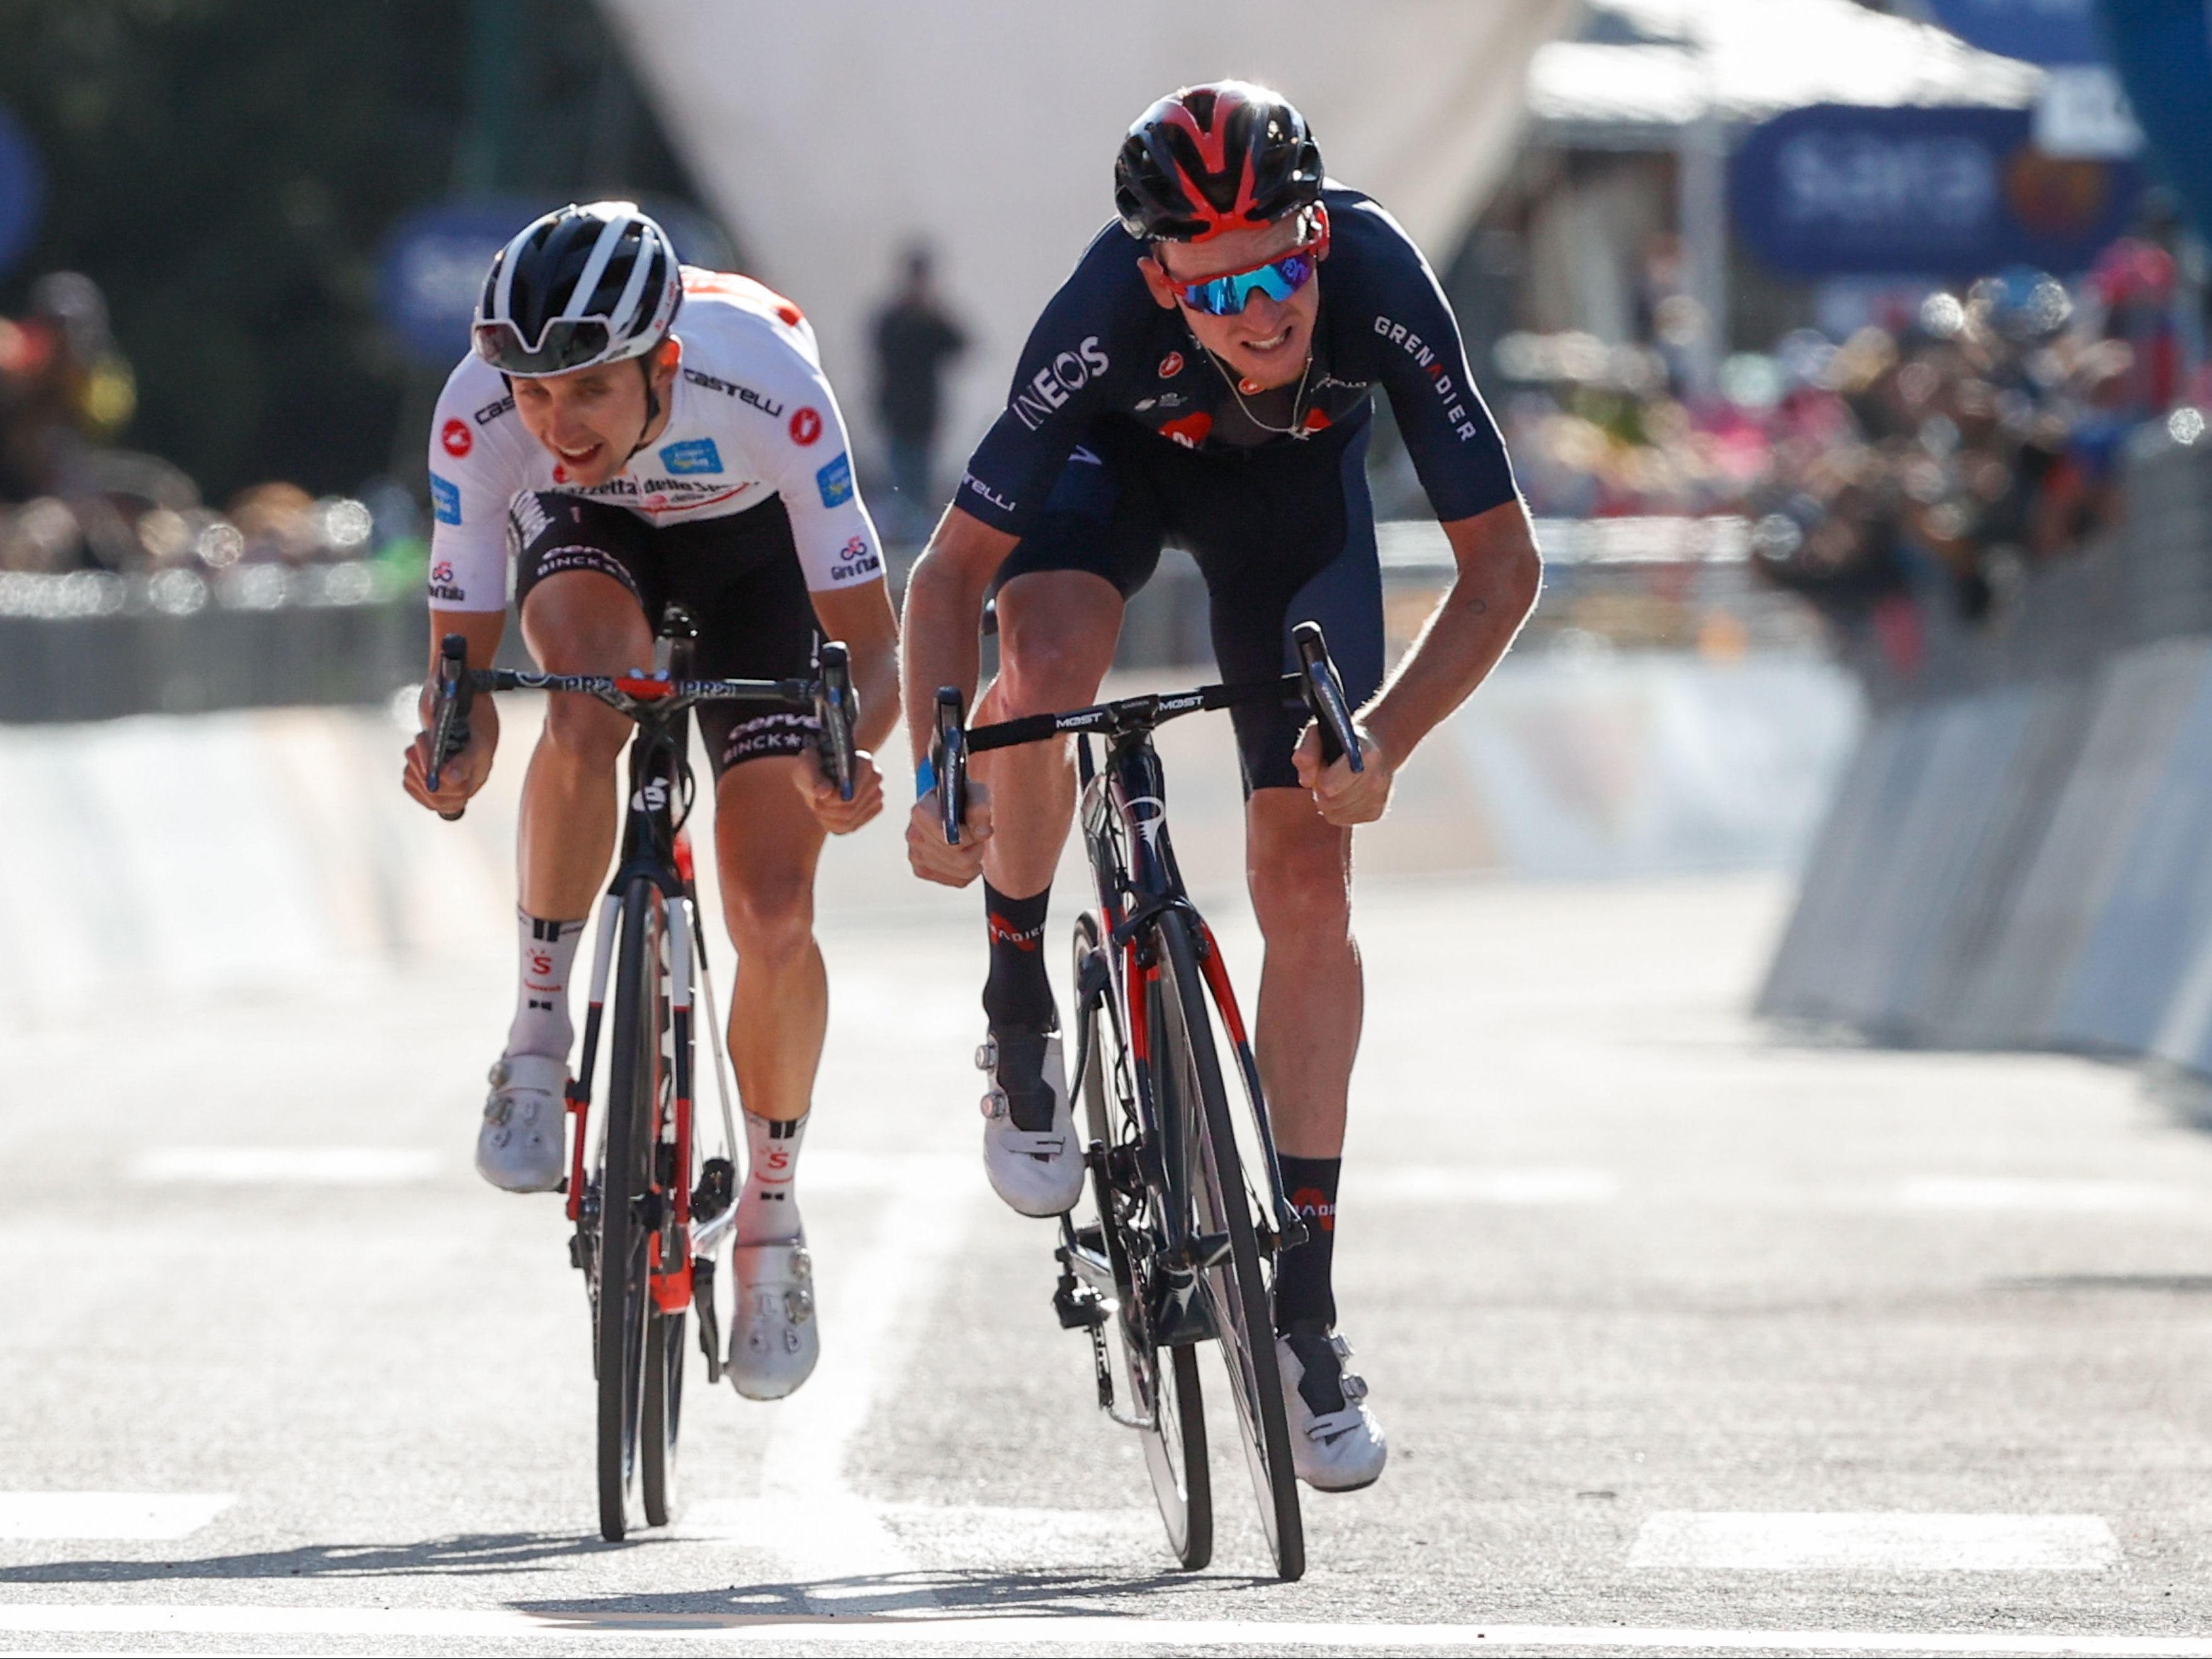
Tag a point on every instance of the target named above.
point(1235, 1296)
point(1160, 1384)
point(626, 1221)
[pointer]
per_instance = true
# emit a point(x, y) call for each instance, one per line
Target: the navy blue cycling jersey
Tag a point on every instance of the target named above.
point(1104, 346)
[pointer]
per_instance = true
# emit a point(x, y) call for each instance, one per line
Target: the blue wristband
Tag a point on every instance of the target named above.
point(925, 777)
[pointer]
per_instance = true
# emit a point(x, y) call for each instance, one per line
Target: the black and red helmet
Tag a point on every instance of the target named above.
point(1223, 156)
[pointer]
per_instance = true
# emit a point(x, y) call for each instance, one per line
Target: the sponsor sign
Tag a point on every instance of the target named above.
point(445, 500)
point(2040, 31)
point(806, 426)
point(22, 190)
point(454, 438)
point(1836, 190)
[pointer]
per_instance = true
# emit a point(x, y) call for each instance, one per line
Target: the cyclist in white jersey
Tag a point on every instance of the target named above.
point(634, 432)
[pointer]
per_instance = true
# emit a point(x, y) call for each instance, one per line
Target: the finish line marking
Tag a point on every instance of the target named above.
point(53, 1516)
point(1082, 1633)
point(1875, 1543)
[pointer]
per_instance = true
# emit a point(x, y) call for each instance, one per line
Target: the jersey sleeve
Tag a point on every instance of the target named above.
point(1081, 342)
point(1410, 341)
point(809, 461)
point(473, 478)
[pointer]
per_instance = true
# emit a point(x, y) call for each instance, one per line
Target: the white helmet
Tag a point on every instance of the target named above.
point(591, 285)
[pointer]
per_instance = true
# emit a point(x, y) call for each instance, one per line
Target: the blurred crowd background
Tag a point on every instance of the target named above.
point(239, 256)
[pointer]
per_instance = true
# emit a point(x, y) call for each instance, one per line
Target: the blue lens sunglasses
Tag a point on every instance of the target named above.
point(1226, 295)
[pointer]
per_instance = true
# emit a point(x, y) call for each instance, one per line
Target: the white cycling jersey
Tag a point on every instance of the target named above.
point(751, 416)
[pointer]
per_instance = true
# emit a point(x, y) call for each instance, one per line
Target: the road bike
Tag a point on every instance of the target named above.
point(1186, 1226)
point(651, 1210)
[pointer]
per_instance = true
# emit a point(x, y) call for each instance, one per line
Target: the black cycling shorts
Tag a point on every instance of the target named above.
point(1282, 534)
point(739, 577)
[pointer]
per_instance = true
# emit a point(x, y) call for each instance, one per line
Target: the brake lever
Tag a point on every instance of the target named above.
point(1324, 695)
point(836, 710)
point(449, 723)
point(948, 763)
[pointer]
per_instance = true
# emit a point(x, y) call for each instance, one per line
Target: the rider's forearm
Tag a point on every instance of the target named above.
point(943, 616)
point(1499, 578)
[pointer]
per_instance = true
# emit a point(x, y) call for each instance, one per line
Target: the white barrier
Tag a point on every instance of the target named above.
point(184, 856)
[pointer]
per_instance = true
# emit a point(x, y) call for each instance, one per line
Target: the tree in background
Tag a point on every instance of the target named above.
point(226, 170)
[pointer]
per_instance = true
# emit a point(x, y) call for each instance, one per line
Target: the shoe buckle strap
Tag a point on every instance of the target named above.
point(1328, 1427)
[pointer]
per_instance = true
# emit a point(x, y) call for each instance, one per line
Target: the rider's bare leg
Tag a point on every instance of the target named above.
point(1057, 630)
point(577, 623)
point(1298, 867)
point(767, 843)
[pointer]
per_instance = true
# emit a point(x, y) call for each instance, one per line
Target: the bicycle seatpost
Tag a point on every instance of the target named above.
point(449, 719)
point(1324, 695)
point(948, 760)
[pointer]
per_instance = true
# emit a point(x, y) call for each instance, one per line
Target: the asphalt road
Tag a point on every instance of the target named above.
point(1686, 1333)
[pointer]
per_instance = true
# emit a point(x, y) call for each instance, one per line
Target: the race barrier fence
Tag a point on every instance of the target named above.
point(2016, 856)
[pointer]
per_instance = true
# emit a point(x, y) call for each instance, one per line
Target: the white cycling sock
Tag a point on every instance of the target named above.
point(541, 1004)
point(768, 1214)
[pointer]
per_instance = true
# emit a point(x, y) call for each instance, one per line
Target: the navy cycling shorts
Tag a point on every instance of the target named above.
point(1282, 535)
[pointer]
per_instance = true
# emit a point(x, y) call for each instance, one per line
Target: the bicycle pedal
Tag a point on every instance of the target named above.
point(1080, 1307)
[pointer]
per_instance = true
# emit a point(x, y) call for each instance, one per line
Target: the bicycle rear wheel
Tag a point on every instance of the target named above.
point(1161, 1385)
point(626, 1221)
point(1190, 1070)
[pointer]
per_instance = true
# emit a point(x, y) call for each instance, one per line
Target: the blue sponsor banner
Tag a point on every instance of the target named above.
point(1836, 190)
point(445, 500)
point(692, 455)
point(2040, 31)
point(834, 481)
point(22, 190)
point(2164, 57)
point(436, 258)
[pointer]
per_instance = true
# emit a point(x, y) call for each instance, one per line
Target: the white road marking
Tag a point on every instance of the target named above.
point(107, 1515)
point(2017, 1193)
point(1875, 1542)
point(872, 1317)
point(307, 1166)
point(1481, 1184)
point(1080, 1633)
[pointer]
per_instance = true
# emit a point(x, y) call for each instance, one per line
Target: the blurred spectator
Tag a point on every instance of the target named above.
point(914, 338)
point(63, 387)
point(1939, 456)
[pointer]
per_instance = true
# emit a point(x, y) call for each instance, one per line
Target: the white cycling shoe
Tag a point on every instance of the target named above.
point(1039, 1172)
point(774, 1338)
point(1336, 1444)
point(521, 1145)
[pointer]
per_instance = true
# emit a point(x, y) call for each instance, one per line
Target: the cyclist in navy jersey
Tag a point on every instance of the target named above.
point(1203, 379)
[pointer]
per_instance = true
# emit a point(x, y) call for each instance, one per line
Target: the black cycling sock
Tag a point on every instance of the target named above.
point(1303, 1294)
point(1017, 995)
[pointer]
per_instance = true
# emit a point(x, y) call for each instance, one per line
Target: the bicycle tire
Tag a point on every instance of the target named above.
point(1174, 1445)
point(624, 1288)
point(663, 1411)
point(1233, 1288)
